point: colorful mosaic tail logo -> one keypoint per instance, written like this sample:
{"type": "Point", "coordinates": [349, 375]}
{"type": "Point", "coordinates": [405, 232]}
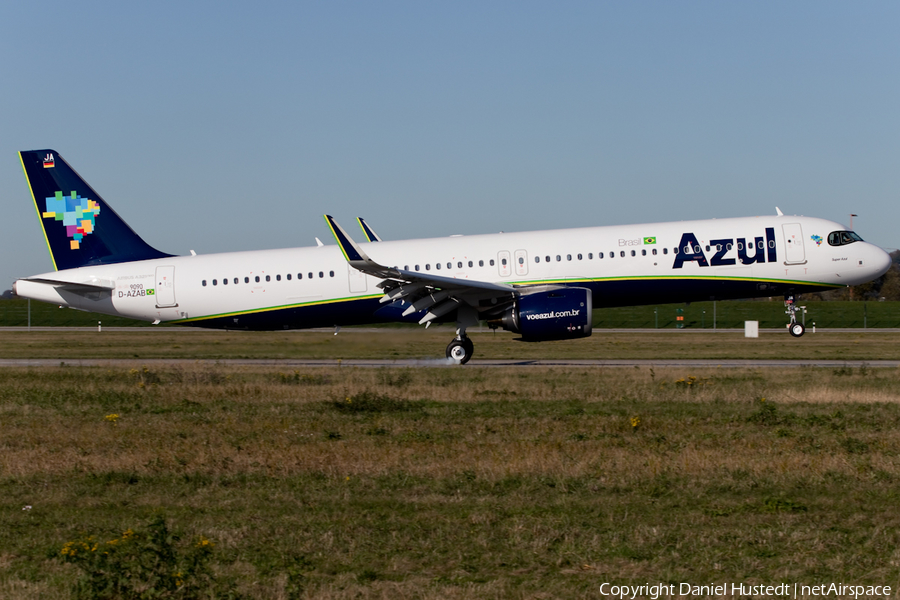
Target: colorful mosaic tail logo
{"type": "Point", "coordinates": [76, 213]}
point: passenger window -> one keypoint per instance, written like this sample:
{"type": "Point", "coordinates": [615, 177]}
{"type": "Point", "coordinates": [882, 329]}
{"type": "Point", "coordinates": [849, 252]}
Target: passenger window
{"type": "Point", "coordinates": [558, 258]}
{"type": "Point", "coordinates": [728, 246]}
{"type": "Point", "coordinates": [590, 256]}
{"type": "Point", "coordinates": [215, 282]}
{"type": "Point", "coordinates": [236, 280]}
{"type": "Point", "coordinates": [321, 274]}
{"type": "Point", "coordinates": [480, 263]}
{"type": "Point", "coordinates": [299, 275]}
{"type": "Point", "coordinates": [760, 245]}
{"type": "Point", "coordinates": [246, 280]}
{"type": "Point", "coordinates": [310, 275]}
{"type": "Point", "coordinates": [470, 264]}
{"type": "Point", "coordinates": [257, 279]}
{"type": "Point", "coordinates": [568, 257]}
{"type": "Point", "coordinates": [427, 266]}
{"type": "Point", "coordinates": [599, 255]}
{"type": "Point", "coordinates": [503, 261]}
{"type": "Point", "coordinates": [203, 283]}
{"type": "Point", "coordinates": [622, 254]}
{"type": "Point", "coordinates": [331, 273]}
{"type": "Point", "coordinates": [547, 259]}
{"type": "Point", "coordinates": [643, 253]}
{"type": "Point", "coordinates": [654, 251]}
{"type": "Point", "coordinates": [438, 266]}
{"type": "Point", "coordinates": [288, 276]}
{"type": "Point", "coordinates": [665, 250]}
{"type": "Point", "coordinates": [225, 281]}
{"type": "Point", "coordinates": [449, 265]}
{"type": "Point", "coordinates": [771, 243]}
{"type": "Point", "coordinates": [268, 278]}
{"type": "Point", "coordinates": [633, 253]}
{"type": "Point", "coordinates": [459, 265]}
{"type": "Point", "coordinates": [537, 259]}
{"type": "Point", "coordinates": [521, 260]}
{"type": "Point", "coordinates": [579, 257]}
{"type": "Point", "coordinates": [740, 245]}
{"type": "Point", "coordinates": [278, 277]}
{"type": "Point", "coordinates": [612, 254]}
{"type": "Point", "coordinates": [492, 262]}
{"type": "Point", "coordinates": [417, 267]}
{"type": "Point", "coordinates": [707, 247]}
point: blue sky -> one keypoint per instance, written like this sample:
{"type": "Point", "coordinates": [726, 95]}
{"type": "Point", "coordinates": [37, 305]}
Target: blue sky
{"type": "Point", "coordinates": [220, 126]}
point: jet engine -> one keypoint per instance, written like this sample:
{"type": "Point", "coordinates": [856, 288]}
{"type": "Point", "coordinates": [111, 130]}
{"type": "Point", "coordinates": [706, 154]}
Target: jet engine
{"type": "Point", "coordinates": [556, 314]}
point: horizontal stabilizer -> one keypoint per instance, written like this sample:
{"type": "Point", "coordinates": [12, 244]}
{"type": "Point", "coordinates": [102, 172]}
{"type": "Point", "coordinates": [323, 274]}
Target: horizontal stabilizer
{"type": "Point", "coordinates": [92, 284]}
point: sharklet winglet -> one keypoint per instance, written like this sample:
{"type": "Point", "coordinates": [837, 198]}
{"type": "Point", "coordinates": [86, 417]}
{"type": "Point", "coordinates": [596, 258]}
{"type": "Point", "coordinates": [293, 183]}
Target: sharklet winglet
{"type": "Point", "coordinates": [370, 234]}
{"type": "Point", "coordinates": [351, 251]}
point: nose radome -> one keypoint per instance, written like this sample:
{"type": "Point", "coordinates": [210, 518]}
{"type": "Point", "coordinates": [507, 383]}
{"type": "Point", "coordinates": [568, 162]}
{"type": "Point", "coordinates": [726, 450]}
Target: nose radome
{"type": "Point", "coordinates": [880, 261]}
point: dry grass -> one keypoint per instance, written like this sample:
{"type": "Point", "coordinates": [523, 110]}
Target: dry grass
{"type": "Point", "coordinates": [428, 483]}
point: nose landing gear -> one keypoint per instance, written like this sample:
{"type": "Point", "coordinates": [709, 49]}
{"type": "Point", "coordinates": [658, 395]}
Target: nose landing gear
{"type": "Point", "coordinates": [796, 329]}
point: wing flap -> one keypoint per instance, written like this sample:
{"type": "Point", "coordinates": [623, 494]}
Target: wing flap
{"type": "Point", "coordinates": [422, 290]}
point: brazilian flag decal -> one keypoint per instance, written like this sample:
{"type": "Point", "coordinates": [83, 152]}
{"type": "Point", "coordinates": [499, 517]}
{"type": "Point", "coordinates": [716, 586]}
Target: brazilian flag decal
{"type": "Point", "coordinates": [151, 292]}
{"type": "Point", "coordinates": [649, 240]}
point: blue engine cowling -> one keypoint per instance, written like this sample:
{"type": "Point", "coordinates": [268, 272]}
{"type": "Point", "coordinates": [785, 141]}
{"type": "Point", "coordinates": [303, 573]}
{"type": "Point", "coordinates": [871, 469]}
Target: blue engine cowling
{"type": "Point", "coordinates": [555, 314]}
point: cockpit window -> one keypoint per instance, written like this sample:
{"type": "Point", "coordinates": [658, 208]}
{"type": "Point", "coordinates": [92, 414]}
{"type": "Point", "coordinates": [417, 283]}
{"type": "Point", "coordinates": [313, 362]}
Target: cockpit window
{"type": "Point", "coordinates": [842, 238]}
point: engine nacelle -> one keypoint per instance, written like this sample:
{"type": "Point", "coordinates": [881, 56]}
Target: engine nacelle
{"type": "Point", "coordinates": [555, 314]}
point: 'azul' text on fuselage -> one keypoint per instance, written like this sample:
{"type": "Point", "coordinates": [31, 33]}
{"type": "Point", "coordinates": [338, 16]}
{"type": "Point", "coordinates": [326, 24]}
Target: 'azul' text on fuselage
{"type": "Point", "coordinates": [763, 250]}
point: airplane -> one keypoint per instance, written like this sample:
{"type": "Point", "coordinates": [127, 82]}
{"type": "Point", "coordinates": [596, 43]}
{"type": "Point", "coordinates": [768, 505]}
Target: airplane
{"type": "Point", "coordinates": [543, 285]}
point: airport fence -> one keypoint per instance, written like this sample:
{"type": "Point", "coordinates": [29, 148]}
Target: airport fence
{"type": "Point", "coordinates": [729, 314]}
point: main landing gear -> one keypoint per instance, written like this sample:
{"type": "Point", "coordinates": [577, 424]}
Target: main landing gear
{"type": "Point", "coordinates": [796, 329]}
{"type": "Point", "coordinates": [460, 350]}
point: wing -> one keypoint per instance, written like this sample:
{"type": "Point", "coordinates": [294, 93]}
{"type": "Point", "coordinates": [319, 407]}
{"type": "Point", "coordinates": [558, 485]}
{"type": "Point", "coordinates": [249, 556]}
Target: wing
{"type": "Point", "coordinates": [424, 291]}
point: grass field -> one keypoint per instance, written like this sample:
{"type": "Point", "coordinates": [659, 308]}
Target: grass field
{"type": "Point", "coordinates": [698, 315]}
{"type": "Point", "coordinates": [452, 483]}
{"type": "Point", "coordinates": [170, 342]}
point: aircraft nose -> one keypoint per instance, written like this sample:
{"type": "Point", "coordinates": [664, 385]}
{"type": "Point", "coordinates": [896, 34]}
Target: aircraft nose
{"type": "Point", "coordinates": [881, 261]}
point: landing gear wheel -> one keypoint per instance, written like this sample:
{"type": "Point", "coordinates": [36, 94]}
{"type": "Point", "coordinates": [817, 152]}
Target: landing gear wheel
{"type": "Point", "coordinates": [790, 306]}
{"type": "Point", "coordinates": [460, 351]}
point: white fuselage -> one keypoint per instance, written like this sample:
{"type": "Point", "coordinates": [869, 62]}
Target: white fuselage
{"type": "Point", "coordinates": [623, 264]}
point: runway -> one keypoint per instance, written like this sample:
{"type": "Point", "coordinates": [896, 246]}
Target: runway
{"type": "Point", "coordinates": [444, 363]}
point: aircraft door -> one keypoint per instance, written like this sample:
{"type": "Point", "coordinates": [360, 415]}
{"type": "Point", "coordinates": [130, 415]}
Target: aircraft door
{"type": "Point", "coordinates": [521, 262]}
{"type": "Point", "coordinates": [794, 253]}
{"type": "Point", "coordinates": [357, 280]}
{"type": "Point", "coordinates": [165, 287]}
{"type": "Point", "coordinates": [503, 263]}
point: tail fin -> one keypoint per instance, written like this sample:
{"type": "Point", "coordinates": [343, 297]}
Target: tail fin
{"type": "Point", "coordinates": [80, 228]}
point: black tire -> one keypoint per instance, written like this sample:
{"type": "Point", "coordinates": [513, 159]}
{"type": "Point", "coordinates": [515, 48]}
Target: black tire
{"type": "Point", "coordinates": [460, 351]}
{"type": "Point", "coordinates": [797, 329]}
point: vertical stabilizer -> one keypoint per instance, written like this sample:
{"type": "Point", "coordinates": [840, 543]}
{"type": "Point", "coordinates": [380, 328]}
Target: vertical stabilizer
{"type": "Point", "coordinates": [80, 228]}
